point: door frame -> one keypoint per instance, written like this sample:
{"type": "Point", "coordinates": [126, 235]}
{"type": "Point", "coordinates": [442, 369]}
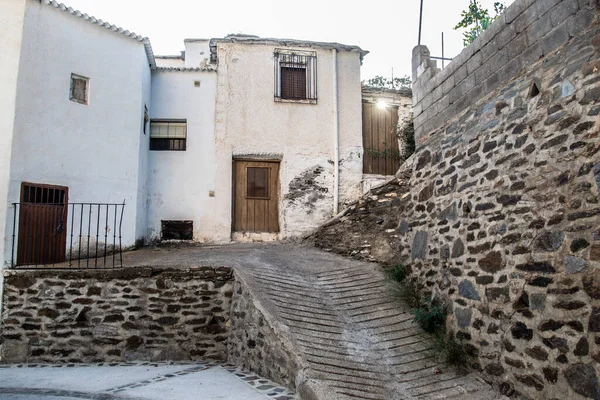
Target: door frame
{"type": "Point", "coordinates": [254, 158]}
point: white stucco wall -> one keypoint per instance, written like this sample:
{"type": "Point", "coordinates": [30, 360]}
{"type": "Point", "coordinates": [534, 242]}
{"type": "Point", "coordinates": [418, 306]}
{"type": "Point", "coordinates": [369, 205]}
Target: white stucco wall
{"type": "Point", "coordinates": [92, 149]}
{"type": "Point", "coordinates": [11, 32]}
{"type": "Point", "coordinates": [180, 182]}
{"type": "Point", "coordinates": [250, 122]}
{"type": "Point", "coordinates": [142, 193]}
{"type": "Point", "coordinates": [197, 52]}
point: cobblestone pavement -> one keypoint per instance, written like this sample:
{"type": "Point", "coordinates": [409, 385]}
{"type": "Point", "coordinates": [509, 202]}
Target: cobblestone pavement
{"type": "Point", "coordinates": [136, 381]}
{"type": "Point", "coordinates": [353, 335]}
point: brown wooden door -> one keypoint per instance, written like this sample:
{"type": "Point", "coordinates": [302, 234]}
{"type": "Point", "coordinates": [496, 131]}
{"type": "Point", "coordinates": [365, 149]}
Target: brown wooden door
{"type": "Point", "coordinates": [380, 140]}
{"type": "Point", "coordinates": [42, 224]}
{"type": "Point", "coordinates": [256, 196]}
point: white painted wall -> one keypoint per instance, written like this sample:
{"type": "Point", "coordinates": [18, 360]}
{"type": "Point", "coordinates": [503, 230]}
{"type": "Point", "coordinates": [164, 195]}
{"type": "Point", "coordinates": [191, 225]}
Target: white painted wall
{"type": "Point", "coordinates": [11, 32]}
{"type": "Point", "coordinates": [93, 149]}
{"type": "Point", "coordinates": [180, 181]}
{"type": "Point", "coordinates": [197, 52]}
{"type": "Point", "coordinates": [249, 121]}
{"type": "Point", "coordinates": [142, 193]}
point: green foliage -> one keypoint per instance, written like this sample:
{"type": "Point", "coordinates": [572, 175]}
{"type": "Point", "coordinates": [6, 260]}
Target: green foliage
{"type": "Point", "coordinates": [410, 292]}
{"type": "Point", "coordinates": [407, 130]}
{"type": "Point", "coordinates": [432, 318]}
{"type": "Point", "coordinates": [477, 19]}
{"type": "Point", "coordinates": [385, 83]}
{"type": "Point", "coordinates": [399, 273]}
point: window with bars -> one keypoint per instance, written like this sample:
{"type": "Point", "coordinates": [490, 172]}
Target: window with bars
{"type": "Point", "coordinates": [169, 135]}
{"type": "Point", "coordinates": [43, 194]}
{"type": "Point", "coordinates": [295, 76]}
{"type": "Point", "coordinates": [79, 90]}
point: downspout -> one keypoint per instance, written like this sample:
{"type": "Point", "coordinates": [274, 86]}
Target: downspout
{"type": "Point", "coordinates": [336, 137]}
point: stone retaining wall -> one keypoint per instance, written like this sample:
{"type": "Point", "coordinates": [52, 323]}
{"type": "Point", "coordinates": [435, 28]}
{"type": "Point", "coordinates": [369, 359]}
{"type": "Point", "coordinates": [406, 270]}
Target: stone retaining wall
{"type": "Point", "coordinates": [500, 218]}
{"type": "Point", "coordinates": [115, 315]}
{"type": "Point", "coordinates": [254, 344]}
{"type": "Point", "coordinates": [527, 31]}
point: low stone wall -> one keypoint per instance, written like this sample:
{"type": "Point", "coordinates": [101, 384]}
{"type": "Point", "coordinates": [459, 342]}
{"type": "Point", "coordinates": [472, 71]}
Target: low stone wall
{"type": "Point", "coordinates": [253, 342]}
{"type": "Point", "coordinates": [115, 315]}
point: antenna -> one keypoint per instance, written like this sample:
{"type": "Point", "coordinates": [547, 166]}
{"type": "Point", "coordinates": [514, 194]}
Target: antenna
{"type": "Point", "coordinates": [420, 22]}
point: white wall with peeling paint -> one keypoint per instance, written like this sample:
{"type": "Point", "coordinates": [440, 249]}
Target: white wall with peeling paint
{"type": "Point", "coordinates": [180, 182]}
{"type": "Point", "coordinates": [92, 149]}
{"type": "Point", "coordinates": [250, 122]}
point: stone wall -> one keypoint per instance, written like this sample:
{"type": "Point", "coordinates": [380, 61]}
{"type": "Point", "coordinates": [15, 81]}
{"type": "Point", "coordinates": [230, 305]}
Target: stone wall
{"type": "Point", "coordinates": [253, 342]}
{"type": "Point", "coordinates": [498, 214]}
{"type": "Point", "coordinates": [526, 32]}
{"type": "Point", "coordinates": [115, 315]}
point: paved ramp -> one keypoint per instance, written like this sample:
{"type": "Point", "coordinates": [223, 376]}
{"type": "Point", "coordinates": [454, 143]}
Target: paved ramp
{"type": "Point", "coordinates": [353, 338]}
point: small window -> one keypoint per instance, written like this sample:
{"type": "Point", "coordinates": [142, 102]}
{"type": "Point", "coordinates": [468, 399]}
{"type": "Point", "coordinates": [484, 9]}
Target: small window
{"type": "Point", "coordinates": [168, 135]}
{"type": "Point", "coordinates": [258, 183]}
{"type": "Point", "coordinates": [80, 87]}
{"type": "Point", "coordinates": [295, 76]}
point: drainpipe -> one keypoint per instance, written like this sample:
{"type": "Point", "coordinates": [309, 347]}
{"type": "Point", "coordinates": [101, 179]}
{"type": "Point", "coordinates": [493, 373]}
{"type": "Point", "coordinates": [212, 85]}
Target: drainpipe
{"type": "Point", "coordinates": [336, 136]}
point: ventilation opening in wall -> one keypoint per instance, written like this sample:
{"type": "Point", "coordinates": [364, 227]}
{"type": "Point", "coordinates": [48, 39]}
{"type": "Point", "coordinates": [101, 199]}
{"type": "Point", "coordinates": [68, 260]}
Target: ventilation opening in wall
{"type": "Point", "coordinates": [535, 90]}
{"type": "Point", "coordinates": [177, 230]}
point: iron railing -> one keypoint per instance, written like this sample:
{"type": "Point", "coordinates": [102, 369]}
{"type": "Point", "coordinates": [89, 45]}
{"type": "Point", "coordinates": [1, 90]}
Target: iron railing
{"type": "Point", "coordinates": [70, 235]}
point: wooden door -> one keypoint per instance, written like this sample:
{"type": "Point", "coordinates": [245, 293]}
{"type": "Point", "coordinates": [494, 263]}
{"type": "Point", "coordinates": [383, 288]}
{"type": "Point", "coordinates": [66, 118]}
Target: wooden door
{"type": "Point", "coordinates": [42, 224]}
{"type": "Point", "coordinates": [380, 140]}
{"type": "Point", "coordinates": [256, 196]}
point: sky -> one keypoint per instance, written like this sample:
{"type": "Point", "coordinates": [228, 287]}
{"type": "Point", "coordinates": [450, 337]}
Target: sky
{"type": "Point", "coordinates": [386, 28]}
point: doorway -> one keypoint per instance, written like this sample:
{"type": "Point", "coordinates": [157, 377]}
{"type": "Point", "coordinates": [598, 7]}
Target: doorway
{"type": "Point", "coordinates": [256, 196]}
{"type": "Point", "coordinates": [42, 224]}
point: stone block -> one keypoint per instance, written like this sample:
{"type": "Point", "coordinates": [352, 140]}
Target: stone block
{"type": "Point", "coordinates": [506, 36]}
{"type": "Point", "coordinates": [583, 380]}
{"type": "Point", "coordinates": [467, 290]}
{"type": "Point", "coordinates": [563, 11]}
{"type": "Point", "coordinates": [474, 62]}
{"type": "Point", "coordinates": [556, 38]}
{"type": "Point", "coordinates": [538, 29]}
{"type": "Point", "coordinates": [448, 84]}
{"type": "Point", "coordinates": [463, 317]}
{"type": "Point", "coordinates": [524, 20]}
{"type": "Point", "coordinates": [544, 6]}
{"type": "Point", "coordinates": [419, 247]}
{"type": "Point", "coordinates": [518, 45]}
{"type": "Point", "coordinates": [514, 10]}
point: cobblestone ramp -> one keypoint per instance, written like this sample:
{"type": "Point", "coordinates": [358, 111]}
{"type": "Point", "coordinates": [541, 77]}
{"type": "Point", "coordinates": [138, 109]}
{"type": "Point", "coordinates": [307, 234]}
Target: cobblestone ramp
{"type": "Point", "coordinates": [354, 338]}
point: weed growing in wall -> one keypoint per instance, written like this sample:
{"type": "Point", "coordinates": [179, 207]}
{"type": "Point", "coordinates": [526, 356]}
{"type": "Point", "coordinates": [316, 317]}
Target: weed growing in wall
{"type": "Point", "coordinates": [430, 315]}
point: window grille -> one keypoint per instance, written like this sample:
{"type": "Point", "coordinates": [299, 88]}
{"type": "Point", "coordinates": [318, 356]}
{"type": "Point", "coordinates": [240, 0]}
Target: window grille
{"type": "Point", "coordinates": [295, 76]}
{"type": "Point", "coordinates": [79, 91]}
{"type": "Point", "coordinates": [168, 135]}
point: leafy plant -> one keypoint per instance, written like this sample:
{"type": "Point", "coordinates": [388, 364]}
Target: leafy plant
{"type": "Point", "coordinates": [385, 83]}
{"type": "Point", "coordinates": [432, 318]}
{"type": "Point", "coordinates": [407, 130]}
{"type": "Point", "coordinates": [477, 19]}
{"type": "Point", "coordinates": [399, 273]}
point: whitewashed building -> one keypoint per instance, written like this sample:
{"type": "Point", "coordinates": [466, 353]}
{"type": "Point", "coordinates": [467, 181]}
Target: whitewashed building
{"type": "Point", "coordinates": [236, 138]}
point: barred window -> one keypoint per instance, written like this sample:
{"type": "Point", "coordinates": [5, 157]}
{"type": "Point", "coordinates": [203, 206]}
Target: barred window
{"type": "Point", "coordinates": [168, 135]}
{"type": "Point", "coordinates": [295, 76]}
{"type": "Point", "coordinates": [79, 90]}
